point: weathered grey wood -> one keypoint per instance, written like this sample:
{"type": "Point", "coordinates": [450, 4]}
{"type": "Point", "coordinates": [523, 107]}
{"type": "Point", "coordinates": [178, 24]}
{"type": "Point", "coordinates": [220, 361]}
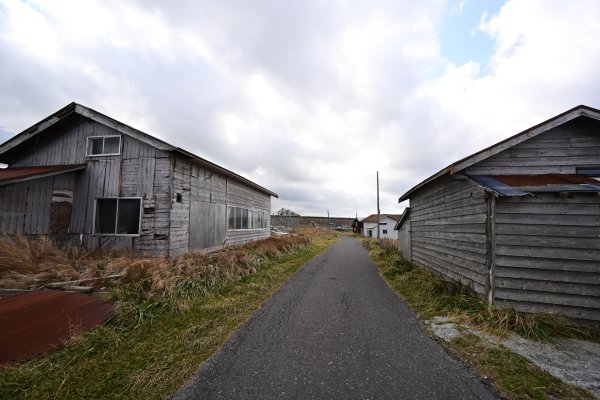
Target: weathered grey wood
{"type": "Point", "coordinates": [167, 179]}
{"type": "Point", "coordinates": [588, 315]}
{"type": "Point", "coordinates": [448, 225]}
{"type": "Point", "coordinates": [530, 136]}
{"type": "Point", "coordinates": [546, 154]}
{"type": "Point", "coordinates": [582, 289]}
{"type": "Point", "coordinates": [548, 299]}
{"type": "Point", "coordinates": [551, 264]}
{"type": "Point", "coordinates": [544, 274]}
{"type": "Point", "coordinates": [490, 241]}
{"type": "Point", "coordinates": [404, 237]}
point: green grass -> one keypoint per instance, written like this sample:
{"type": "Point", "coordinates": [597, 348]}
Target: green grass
{"type": "Point", "coordinates": [511, 375]}
{"type": "Point", "coordinates": [152, 354]}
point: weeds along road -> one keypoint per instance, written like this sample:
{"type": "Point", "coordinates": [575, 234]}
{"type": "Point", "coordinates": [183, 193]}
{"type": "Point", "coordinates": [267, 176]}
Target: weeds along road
{"type": "Point", "coordinates": [334, 331]}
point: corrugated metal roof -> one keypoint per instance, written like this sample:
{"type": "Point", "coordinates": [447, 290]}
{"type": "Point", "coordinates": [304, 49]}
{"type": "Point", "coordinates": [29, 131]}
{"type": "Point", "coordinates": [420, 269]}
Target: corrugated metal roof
{"type": "Point", "coordinates": [11, 175]}
{"type": "Point", "coordinates": [519, 185]}
{"type": "Point", "coordinates": [40, 321]}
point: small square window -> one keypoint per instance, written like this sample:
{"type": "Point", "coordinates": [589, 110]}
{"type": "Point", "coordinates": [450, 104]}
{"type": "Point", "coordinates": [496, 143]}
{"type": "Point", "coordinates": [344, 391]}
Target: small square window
{"type": "Point", "coordinates": [103, 145]}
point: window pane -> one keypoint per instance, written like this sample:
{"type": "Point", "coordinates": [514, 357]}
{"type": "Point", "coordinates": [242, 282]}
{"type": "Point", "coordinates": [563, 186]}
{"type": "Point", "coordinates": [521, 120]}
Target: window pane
{"type": "Point", "coordinates": [251, 224]}
{"type": "Point", "coordinates": [231, 223]}
{"type": "Point", "coordinates": [238, 218]}
{"type": "Point", "coordinates": [95, 146]}
{"type": "Point", "coordinates": [111, 145]}
{"type": "Point", "coordinates": [106, 211]}
{"type": "Point", "coordinates": [244, 218]}
{"type": "Point", "coordinates": [128, 221]}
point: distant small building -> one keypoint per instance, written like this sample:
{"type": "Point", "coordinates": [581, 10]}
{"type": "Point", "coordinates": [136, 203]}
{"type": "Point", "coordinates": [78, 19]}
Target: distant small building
{"type": "Point", "coordinates": [357, 226]}
{"type": "Point", "coordinates": [386, 226]}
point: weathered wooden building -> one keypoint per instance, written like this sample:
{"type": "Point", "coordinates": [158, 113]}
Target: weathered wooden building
{"type": "Point", "coordinates": [85, 177]}
{"type": "Point", "coordinates": [519, 222]}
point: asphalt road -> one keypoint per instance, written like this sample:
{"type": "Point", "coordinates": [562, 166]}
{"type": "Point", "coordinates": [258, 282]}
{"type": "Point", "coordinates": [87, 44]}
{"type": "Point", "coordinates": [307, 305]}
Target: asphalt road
{"type": "Point", "coordinates": [334, 331]}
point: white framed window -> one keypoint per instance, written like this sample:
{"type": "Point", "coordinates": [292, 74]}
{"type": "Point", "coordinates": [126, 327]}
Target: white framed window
{"type": "Point", "coordinates": [103, 145]}
{"type": "Point", "coordinates": [242, 218]}
{"type": "Point", "coordinates": [118, 216]}
{"type": "Point", "coordinates": [385, 231]}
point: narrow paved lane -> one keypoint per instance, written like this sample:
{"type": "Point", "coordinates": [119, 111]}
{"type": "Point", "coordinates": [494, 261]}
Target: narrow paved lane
{"type": "Point", "coordinates": [334, 331]}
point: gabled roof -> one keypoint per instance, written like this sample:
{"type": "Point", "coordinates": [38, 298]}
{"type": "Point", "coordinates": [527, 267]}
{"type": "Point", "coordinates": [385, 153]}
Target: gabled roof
{"type": "Point", "coordinates": [20, 174]}
{"type": "Point", "coordinates": [403, 218]}
{"type": "Point", "coordinates": [373, 217]}
{"type": "Point", "coordinates": [575, 112]}
{"type": "Point", "coordinates": [74, 111]}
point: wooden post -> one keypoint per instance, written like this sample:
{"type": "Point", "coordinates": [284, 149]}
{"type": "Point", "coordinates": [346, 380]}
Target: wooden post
{"type": "Point", "coordinates": [490, 233]}
{"type": "Point", "coordinates": [378, 211]}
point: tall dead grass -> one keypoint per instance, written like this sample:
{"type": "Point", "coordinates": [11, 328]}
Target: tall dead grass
{"type": "Point", "coordinates": [29, 262]}
{"type": "Point", "coordinates": [26, 261]}
{"type": "Point", "coordinates": [152, 284]}
{"type": "Point", "coordinates": [148, 284]}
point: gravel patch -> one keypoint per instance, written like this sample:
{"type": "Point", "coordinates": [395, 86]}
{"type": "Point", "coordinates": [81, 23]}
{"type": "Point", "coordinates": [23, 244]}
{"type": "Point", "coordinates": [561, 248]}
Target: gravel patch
{"type": "Point", "coordinates": [574, 361]}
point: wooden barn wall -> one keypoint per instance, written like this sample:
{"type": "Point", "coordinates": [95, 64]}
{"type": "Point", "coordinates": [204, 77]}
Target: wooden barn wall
{"type": "Point", "coordinates": [404, 239]}
{"type": "Point", "coordinates": [448, 230]}
{"type": "Point", "coordinates": [208, 212]}
{"type": "Point", "coordinates": [558, 151]}
{"type": "Point", "coordinates": [548, 254]}
{"type": "Point", "coordinates": [139, 171]}
{"type": "Point", "coordinates": [27, 207]}
{"type": "Point", "coordinates": [240, 195]}
{"type": "Point", "coordinates": [146, 173]}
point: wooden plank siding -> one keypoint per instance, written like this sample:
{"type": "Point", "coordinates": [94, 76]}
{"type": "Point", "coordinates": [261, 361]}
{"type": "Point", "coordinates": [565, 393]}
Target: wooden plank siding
{"type": "Point", "coordinates": [559, 151]}
{"type": "Point", "coordinates": [208, 213]}
{"type": "Point", "coordinates": [546, 258]}
{"type": "Point", "coordinates": [404, 239]}
{"type": "Point", "coordinates": [25, 207]}
{"type": "Point", "coordinates": [448, 231]}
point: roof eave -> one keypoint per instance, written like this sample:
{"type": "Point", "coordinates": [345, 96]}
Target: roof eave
{"type": "Point", "coordinates": [37, 128]}
{"type": "Point", "coordinates": [406, 195]}
{"type": "Point", "coordinates": [73, 168]}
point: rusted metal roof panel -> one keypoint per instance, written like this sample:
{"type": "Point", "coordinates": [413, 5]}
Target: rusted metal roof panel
{"type": "Point", "coordinates": [41, 321]}
{"type": "Point", "coordinates": [11, 175]}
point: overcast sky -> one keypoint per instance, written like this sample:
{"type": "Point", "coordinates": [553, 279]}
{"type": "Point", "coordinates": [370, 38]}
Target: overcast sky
{"type": "Point", "coordinates": [307, 98]}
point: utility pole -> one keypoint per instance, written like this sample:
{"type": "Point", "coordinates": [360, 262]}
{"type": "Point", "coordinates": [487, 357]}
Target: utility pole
{"type": "Point", "coordinates": [328, 226]}
{"type": "Point", "coordinates": [378, 211]}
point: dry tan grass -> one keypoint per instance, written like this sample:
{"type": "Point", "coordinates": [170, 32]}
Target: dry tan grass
{"type": "Point", "coordinates": [25, 262]}
{"type": "Point", "coordinates": [31, 262]}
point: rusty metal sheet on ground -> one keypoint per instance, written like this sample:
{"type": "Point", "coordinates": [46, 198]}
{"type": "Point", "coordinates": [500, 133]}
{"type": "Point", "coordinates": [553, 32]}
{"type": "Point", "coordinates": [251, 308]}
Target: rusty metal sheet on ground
{"type": "Point", "coordinates": [41, 321]}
